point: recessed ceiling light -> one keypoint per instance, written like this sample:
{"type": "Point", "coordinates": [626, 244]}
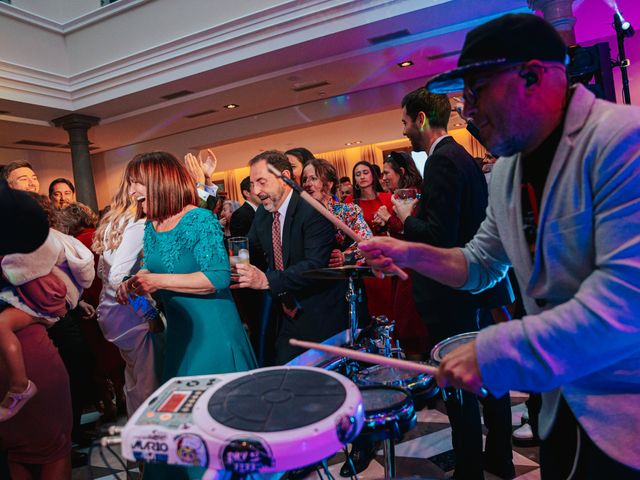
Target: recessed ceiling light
{"type": "Point", "coordinates": [231, 106]}
{"type": "Point", "coordinates": [405, 64]}
{"type": "Point", "coordinates": [357, 142]}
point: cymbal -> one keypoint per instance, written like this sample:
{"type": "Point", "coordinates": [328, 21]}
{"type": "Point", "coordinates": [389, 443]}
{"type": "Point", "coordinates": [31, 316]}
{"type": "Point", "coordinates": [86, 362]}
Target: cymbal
{"type": "Point", "coordinates": [339, 273]}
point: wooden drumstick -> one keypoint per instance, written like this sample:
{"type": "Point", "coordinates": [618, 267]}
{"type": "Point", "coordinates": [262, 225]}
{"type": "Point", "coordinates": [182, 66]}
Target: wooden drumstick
{"type": "Point", "coordinates": [322, 210]}
{"type": "Point", "coordinates": [367, 357]}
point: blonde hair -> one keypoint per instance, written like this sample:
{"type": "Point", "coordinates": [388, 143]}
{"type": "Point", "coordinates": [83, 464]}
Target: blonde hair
{"type": "Point", "coordinates": [111, 227]}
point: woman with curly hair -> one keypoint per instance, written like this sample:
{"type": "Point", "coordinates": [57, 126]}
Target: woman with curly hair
{"type": "Point", "coordinates": [118, 241]}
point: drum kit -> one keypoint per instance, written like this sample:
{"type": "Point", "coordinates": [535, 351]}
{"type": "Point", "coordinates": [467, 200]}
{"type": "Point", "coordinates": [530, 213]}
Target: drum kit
{"type": "Point", "coordinates": [272, 420]}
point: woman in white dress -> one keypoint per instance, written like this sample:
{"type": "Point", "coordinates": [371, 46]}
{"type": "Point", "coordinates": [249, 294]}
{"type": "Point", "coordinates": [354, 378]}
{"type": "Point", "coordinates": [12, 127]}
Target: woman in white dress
{"type": "Point", "coordinates": [118, 240]}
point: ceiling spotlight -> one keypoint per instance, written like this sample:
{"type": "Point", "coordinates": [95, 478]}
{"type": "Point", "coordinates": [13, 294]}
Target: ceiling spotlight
{"type": "Point", "coordinates": [231, 106]}
{"type": "Point", "coordinates": [405, 64]}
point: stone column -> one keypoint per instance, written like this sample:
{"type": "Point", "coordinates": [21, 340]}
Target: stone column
{"type": "Point", "coordinates": [77, 127]}
{"type": "Point", "coordinates": [559, 14]}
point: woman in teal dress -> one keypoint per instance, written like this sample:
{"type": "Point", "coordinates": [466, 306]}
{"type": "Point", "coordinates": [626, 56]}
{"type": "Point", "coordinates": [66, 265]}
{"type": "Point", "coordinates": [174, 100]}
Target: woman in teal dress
{"type": "Point", "coordinates": [187, 269]}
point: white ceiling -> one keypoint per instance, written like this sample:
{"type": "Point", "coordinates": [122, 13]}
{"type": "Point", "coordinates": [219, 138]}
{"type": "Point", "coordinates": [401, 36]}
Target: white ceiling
{"type": "Point", "coordinates": [363, 87]}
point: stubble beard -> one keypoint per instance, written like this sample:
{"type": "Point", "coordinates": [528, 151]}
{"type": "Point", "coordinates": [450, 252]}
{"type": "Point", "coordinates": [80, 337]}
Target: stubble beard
{"type": "Point", "coordinates": [274, 200]}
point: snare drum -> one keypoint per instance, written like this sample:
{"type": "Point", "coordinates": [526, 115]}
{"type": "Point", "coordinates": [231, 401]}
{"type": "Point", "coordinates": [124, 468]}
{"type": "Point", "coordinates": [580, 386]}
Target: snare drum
{"type": "Point", "coordinates": [421, 386]}
{"type": "Point", "coordinates": [388, 412]}
{"type": "Point", "coordinates": [449, 344]}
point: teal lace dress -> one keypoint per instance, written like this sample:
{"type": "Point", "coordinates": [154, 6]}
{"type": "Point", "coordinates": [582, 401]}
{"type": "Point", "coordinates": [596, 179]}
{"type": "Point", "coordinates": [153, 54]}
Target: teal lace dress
{"type": "Point", "coordinates": [204, 334]}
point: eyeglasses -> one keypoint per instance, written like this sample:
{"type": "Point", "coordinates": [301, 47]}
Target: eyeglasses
{"type": "Point", "coordinates": [471, 89]}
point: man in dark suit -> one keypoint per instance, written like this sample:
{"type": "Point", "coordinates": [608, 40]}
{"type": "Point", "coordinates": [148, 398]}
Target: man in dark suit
{"type": "Point", "coordinates": [242, 218]}
{"type": "Point", "coordinates": [294, 238]}
{"type": "Point", "coordinates": [450, 210]}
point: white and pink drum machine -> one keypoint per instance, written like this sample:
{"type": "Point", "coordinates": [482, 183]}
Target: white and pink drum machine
{"type": "Point", "coordinates": [266, 420]}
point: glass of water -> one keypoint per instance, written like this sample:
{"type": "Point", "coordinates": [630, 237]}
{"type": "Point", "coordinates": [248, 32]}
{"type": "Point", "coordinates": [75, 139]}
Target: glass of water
{"type": "Point", "coordinates": [238, 251]}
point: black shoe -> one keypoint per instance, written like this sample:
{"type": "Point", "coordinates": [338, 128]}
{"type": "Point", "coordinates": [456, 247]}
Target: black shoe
{"type": "Point", "coordinates": [359, 459]}
{"type": "Point", "coordinates": [524, 437]}
{"type": "Point", "coordinates": [504, 470]}
{"type": "Point", "coordinates": [78, 459]}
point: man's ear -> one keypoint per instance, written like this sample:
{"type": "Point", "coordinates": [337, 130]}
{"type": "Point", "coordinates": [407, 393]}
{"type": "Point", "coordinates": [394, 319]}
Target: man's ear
{"type": "Point", "coordinates": [286, 173]}
{"type": "Point", "coordinates": [422, 121]}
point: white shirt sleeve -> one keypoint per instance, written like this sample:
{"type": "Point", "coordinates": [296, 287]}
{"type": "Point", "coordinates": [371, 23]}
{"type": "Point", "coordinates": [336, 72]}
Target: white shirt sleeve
{"type": "Point", "coordinates": [126, 255]}
{"type": "Point", "coordinates": [206, 191]}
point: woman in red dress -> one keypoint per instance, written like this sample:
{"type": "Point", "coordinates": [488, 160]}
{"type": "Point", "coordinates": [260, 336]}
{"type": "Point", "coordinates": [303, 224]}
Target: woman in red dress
{"type": "Point", "coordinates": [368, 194]}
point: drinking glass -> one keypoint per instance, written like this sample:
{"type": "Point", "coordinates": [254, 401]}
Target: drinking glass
{"type": "Point", "coordinates": [238, 250]}
{"type": "Point", "coordinates": [407, 195]}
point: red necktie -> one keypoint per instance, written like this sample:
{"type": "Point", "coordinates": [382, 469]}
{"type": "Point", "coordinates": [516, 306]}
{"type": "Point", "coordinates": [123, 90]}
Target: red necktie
{"type": "Point", "coordinates": [277, 242]}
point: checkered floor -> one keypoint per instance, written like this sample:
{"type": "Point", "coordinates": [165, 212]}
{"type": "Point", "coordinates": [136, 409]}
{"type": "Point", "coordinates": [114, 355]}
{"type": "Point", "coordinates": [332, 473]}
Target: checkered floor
{"type": "Point", "coordinates": [425, 451]}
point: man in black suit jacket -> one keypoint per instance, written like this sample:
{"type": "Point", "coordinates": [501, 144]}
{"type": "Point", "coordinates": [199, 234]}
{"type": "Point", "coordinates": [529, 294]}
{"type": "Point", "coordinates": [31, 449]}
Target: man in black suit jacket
{"type": "Point", "coordinates": [452, 206]}
{"type": "Point", "coordinates": [242, 218]}
{"type": "Point", "coordinates": [307, 309]}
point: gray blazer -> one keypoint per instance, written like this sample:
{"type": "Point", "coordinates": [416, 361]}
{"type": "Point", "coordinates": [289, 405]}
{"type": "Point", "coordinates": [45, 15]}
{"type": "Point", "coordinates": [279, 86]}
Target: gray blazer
{"type": "Point", "coordinates": [581, 337]}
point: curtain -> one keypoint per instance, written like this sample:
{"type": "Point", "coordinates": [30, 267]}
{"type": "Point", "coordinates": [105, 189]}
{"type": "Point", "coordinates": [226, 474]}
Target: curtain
{"type": "Point", "coordinates": [371, 154]}
{"type": "Point", "coordinates": [339, 160]}
{"type": "Point", "coordinates": [477, 150]}
{"type": "Point", "coordinates": [345, 159]}
{"type": "Point", "coordinates": [232, 186]}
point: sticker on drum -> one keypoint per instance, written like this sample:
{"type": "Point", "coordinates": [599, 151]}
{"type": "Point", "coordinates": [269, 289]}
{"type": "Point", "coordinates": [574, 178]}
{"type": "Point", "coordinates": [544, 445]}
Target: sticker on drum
{"type": "Point", "coordinates": [449, 344]}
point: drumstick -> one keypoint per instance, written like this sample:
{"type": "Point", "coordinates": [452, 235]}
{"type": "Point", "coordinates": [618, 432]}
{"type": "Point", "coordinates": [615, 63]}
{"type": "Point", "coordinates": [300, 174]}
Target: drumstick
{"type": "Point", "coordinates": [367, 357]}
{"type": "Point", "coordinates": [322, 210]}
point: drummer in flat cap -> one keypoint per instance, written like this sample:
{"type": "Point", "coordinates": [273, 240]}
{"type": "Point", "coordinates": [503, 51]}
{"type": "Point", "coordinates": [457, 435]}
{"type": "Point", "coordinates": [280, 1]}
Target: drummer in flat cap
{"type": "Point", "coordinates": [564, 211]}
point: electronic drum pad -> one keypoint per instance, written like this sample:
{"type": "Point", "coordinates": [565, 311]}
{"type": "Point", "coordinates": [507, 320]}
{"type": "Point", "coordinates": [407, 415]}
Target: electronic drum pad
{"type": "Point", "coordinates": [266, 420]}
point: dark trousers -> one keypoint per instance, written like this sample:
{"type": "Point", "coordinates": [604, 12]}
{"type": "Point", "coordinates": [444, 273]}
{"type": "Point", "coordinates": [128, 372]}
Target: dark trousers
{"type": "Point", "coordinates": [463, 409]}
{"type": "Point", "coordinates": [79, 360]}
{"type": "Point", "coordinates": [568, 453]}
{"type": "Point", "coordinates": [534, 405]}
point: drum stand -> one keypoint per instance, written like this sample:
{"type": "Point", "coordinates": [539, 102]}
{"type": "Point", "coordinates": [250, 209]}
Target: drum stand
{"type": "Point", "coordinates": [352, 299]}
{"type": "Point", "coordinates": [389, 456]}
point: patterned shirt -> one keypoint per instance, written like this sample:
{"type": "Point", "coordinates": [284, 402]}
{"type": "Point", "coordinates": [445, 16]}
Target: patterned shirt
{"type": "Point", "coordinates": [351, 214]}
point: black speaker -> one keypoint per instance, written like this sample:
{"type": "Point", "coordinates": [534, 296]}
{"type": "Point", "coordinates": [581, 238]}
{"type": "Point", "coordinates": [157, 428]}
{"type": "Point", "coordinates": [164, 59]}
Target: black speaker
{"type": "Point", "coordinates": [592, 67]}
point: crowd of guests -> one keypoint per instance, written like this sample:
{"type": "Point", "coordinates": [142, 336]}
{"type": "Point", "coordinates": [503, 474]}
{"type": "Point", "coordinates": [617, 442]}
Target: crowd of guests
{"type": "Point", "coordinates": [159, 300]}
{"type": "Point", "coordinates": [150, 293]}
